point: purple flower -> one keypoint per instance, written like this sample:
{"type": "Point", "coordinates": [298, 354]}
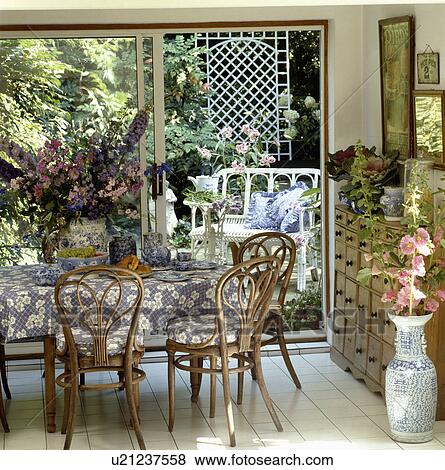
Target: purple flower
{"type": "Point", "coordinates": [136, 130]}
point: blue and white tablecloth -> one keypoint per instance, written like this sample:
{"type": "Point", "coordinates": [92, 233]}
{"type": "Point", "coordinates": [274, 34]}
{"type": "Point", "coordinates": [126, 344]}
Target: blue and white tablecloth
{"type": "Point", "coordinates": [28, 310]}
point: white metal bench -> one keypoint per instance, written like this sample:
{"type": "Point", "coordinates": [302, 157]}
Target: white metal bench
{"type": "Point", "coordinates": [233, 228]}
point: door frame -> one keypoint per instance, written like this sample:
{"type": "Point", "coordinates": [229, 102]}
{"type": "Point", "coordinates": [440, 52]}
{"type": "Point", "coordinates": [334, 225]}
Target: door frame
{"type": "Point", "coordinates": [156, 31]}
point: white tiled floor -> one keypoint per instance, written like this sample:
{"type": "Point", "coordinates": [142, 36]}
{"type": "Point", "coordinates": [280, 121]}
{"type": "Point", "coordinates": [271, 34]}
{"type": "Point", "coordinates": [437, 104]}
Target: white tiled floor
{"type": "Point", "coordinates": [331, 410]}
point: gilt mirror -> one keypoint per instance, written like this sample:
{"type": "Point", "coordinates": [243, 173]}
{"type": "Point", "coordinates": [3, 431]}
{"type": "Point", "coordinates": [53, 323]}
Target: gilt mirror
{"type": "Point", "coordinates": [428, 125]}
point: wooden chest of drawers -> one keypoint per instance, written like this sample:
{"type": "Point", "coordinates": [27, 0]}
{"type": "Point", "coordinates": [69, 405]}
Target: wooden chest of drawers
{"type": "Point", "coordinates": [362, 334]}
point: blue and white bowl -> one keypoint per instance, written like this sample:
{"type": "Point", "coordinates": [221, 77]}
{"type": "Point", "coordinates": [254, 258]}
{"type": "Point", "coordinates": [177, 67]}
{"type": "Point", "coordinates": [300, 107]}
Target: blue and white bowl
{"type": "Point", "coordinates": [69, 264]}
{"type": "Point", "coordinates": [47, 275]}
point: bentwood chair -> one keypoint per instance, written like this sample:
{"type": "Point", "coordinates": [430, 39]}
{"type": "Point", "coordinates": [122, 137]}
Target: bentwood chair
{"type": "Point", "coordinates": [242, 300]}
{"type": "Point", "coordinates": [99, 309]}
{"type": "Point", "coordinates": [3, 380]}
{"type": "Point", "coordinates": [283, 247]}
{"type": "Point", "coordinates": [4, 377]}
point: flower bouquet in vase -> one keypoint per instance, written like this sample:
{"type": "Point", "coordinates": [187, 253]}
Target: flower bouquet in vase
{"type": "Point", "coordinates": [414, 270]}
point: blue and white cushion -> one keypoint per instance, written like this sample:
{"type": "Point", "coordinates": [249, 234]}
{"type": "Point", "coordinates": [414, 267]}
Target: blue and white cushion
{"type": "Point", "coordinates": [278, 208]}
{"type": "Point", "coordinates": [116, 341]}
{"type": "Point", "coordinates": [257, 216]}
{"type": "Point", "coordinates": [198, 329]}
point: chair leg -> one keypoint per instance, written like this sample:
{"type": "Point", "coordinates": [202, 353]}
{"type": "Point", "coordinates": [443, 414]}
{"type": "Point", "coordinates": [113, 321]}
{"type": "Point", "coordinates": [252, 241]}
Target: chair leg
{"type": "Point", "coordinates": [239, 398]}
{"type": "Point", "coordinates": [252, 371]}
{"type": "Point", "coordinates": [263, 388]}
{"type": "Point", "coordinates": [3, 414]}
{"type": "Point", "coordinates": [129, 389]}
{"type": "Point", "coordinates": [212, 388]}
{"type": "Point", "coordinates": [171, 390]}
{"type": "Point", "coordinates": [72, 411]}
{"type": "Point", "coordinates": [196, 378]}
{"type": "Point", "coordinates": [4, 377]}
{"type": "Point", "coordinates": [66, 403]}
{"type": "Point", "coordinates": [284, 352]}
{"type": "Point", "coordinates": [228, 400]}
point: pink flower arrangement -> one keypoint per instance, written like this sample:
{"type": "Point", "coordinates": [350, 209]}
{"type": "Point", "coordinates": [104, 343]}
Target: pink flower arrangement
{"type": "Point", "coordinates": [414, 272]}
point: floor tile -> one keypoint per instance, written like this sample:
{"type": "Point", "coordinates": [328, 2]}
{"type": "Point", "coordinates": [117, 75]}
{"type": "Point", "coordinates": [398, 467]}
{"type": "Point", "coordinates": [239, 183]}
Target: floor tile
{"type": "Point", "coordinates": [57, 441]}
{"type": "Point", "coordinates": [111, 441]}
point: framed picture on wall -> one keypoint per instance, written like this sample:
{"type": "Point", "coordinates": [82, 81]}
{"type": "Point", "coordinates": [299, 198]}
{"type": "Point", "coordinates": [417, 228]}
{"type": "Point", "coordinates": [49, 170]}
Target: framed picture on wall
{"type": "Point", "coordinates": [396, 39]}
{"type": "Point", "coordinates": [428, 68]}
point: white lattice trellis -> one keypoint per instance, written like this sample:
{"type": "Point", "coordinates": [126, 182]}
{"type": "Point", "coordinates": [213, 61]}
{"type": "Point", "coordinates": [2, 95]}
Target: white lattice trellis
{"type": "Point", "coordinates": [249, 75]}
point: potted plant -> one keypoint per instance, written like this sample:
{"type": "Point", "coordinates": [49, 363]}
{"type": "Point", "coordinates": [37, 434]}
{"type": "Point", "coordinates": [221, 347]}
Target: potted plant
{"type": "Point", "coordinates": [414, 267]}
{"type": "Point", "coordinates": [304, 312]}
{"type": "Point", "coordinates": [365, 173]}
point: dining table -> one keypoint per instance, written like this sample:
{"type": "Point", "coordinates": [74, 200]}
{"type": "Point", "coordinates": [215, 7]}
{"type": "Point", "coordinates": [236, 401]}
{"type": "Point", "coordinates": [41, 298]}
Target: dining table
{"type": "Point", "coordinates": [28, 310]}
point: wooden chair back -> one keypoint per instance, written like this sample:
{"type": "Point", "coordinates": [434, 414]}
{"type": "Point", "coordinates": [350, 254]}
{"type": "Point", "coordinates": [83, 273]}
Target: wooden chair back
{"type": "Point", "coordinates": [245, 292]}
{"type": "Point", "coordinates": [275, 244]}
{"type": "Point", "coordinates": [98, 300]}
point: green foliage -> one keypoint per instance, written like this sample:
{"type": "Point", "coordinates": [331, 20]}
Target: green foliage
{"type": "Point", "coordinates": [305, 310]}
{"type": "Point", "coordinates": [181, 234]}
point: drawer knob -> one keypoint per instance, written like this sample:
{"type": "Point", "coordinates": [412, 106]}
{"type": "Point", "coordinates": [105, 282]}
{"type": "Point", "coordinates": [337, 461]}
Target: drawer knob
{"type": "Point", "coordinates": [371, 359]}
{"type": "Point", "coordinates": [384, 367]}
{"type": "Point", "coordinates": [349, 238]}
{"type": "Point", "coordinates": [349, 262]}
{"type": "Point", "coordinates": [339, 292]}
{"type": "Point", "coordinates": [387, 322]}
{"type": "Point", "coordinates": [337, 331]}
{"type": "Point", "coordinates": [348, 300]}
{"type": "Point", "coordinates": [338, 217]}
{"type": "Point", "coordinates": [350, 222]}
{"type": "Point", "coordinates": [373, 314]}
{"type": "Point", "coordinates": [361, 306]}
{"type": "Point", "coordinates": [362, 244]}
{"type": "Point", "coordinates": [362, 226]}
{"type": "Point", "coordinates": [337, 256]}
{"type": "Point", "coordinates": [338, 233]}
{"type": "Point", "coordinates": [385, 281]}
{"type": "Point", "coordinates": [358, 350]}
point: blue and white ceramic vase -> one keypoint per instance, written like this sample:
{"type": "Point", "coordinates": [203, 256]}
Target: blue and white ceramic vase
{"type": "Point", "coordinates": [392, 203]}
{"type": "Point", "coordinates": [154, 253]}
{"type": "Point", "coordinates": [84, 232]}
{"type": "Point", "coordinates": [120, 247]}
{"type": "Point", "coordinates": [411, 383]}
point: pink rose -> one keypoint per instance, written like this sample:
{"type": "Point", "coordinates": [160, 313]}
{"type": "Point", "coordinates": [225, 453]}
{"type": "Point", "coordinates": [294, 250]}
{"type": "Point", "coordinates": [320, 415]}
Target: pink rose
{"type": "Point", "coordinates": [226, 132]}
{"type": "Point", "coordinates": [418, 265]}
{"type": "Point", "coordinates": [238, 167]}
{"type": "Point", "coordinates": [407, 245]}
{"type": "Point", "coordinates": [431, 305]}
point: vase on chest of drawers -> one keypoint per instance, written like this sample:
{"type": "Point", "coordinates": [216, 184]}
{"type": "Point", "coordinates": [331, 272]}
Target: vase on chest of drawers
{"type": "Point", "coordinates": [411, 383]}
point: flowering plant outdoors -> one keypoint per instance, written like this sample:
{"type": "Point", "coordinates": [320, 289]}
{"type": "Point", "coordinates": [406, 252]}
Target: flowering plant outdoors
{"type": "Point", "coordinates": [236, 154]}
{"type": "Point", "coordinates": [414, 266]}
{"type": "Point", "coordinates": [57, 184]}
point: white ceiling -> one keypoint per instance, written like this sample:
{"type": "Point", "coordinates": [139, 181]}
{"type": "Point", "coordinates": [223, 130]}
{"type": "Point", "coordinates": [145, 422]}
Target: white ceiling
{"type": "Point", "coordinates": [182, 4]}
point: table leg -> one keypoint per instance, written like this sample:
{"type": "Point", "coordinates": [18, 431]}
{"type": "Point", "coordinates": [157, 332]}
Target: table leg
{"type": "Point", "coordinates": [49, 351]}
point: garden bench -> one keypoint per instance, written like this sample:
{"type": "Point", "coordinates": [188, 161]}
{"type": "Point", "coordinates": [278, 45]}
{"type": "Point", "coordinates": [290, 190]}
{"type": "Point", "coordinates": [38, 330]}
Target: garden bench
{"type": "Point", "coordinates": [233, 229]}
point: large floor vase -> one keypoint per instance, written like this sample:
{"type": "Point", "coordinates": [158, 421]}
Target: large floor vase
{"type": "Point", "coordinates": [411, 383]}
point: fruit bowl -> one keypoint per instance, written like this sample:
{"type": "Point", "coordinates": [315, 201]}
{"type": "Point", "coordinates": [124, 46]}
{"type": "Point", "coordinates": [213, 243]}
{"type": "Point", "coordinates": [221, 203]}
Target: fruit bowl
{"type": "Point", "coordinates": [70, 263]}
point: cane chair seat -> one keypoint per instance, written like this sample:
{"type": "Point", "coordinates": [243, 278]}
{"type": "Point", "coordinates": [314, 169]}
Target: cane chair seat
{"type": "Point", "coordinates": [116, 342]}
{"type": "Point", "coordinates": [199, 329]}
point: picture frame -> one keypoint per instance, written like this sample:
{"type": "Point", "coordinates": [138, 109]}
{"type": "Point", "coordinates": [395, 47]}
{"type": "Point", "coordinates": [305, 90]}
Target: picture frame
{"type": "Point", "coordinates": [396, 41]}
{"type": "Point", "coordinates": [429, 125]}
{"type": "Point", "coordinates": [428, 72]}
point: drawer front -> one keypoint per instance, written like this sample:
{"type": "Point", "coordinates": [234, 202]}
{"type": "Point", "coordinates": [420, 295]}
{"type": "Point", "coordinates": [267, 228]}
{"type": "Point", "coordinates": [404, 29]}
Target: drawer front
{"type": "Point", "coordinates": [352, 262]}
{"type": "Point", "coordinates": [361, 350]}
{"type": "Point", "coordinates": [351, 238]}
{"type": "Point", "coordinates": [351, 221]}
{"type": "Point", "coordinates": [349, 345]}
{"type": "Point", "coordinates": [340, 257]}
{"type": "Point", "coordinates": [377, 283]}
{"type": "Point", "coordinates": [363, 301]}
{"type": "Point", "coordinates": [364, 245]}
{"type": "Point", "coordinates": [350, 306]}
{"type": "Point", "coordinates": [377, 316]}
{"type": "Point", "coordinates": [389, 328]}
{"type": "Point", "coordinates": [374, 365]}
{"type": "Point", "coordinates": [339, 234]}
{"type": "Point", "coordinates": [338, 331]}
{"type": "Point", "coordinates": [340, 216]}
{"type": "Point", "coordinates": [387, 355]}
{"type": "Point", "coordinates": [339, 291]}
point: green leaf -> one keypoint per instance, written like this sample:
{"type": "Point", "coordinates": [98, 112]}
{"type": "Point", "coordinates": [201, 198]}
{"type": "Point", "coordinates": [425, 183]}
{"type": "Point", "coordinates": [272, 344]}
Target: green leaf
{"type": "Point", "coordinates": [364, 275]}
